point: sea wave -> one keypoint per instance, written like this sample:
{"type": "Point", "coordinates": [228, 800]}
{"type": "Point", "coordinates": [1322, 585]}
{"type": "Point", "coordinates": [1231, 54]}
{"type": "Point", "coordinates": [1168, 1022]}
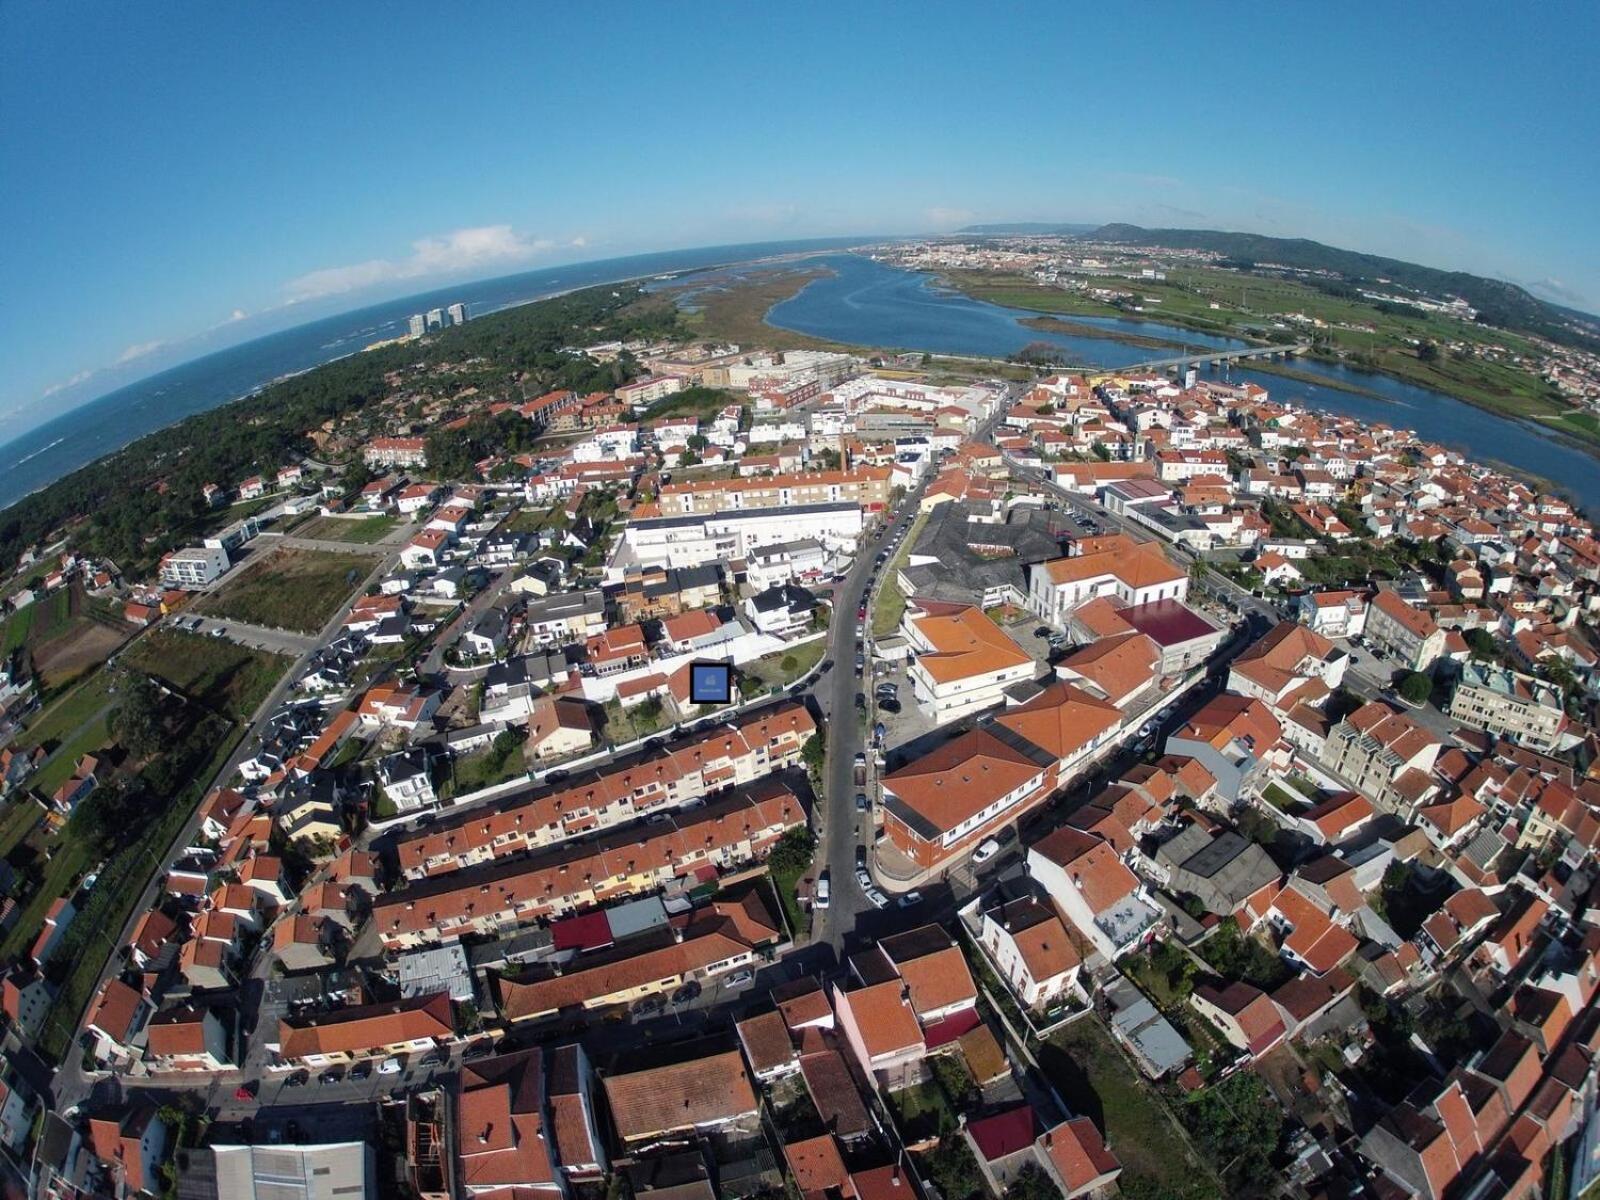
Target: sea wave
{"type": "Point", "coordinates": [39, 451]}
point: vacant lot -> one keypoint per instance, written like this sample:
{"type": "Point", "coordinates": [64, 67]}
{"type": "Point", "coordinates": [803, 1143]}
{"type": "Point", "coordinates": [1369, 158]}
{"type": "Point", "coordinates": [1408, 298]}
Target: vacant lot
{"type": "Point", "coordinates": [289, 589]}
{"type": "Point", "coordinates": [66, 633]}
{"type": "Point", "coordinates": [364, 530]}
{"type": "Point", "coordinates": [86, 644]}
{"type": "Point", "coordinates": [225, 677]}
{"type": "Point", "coordinates": [1095, 1080]}
{"type": "Point", "coordinates": [787, 665]}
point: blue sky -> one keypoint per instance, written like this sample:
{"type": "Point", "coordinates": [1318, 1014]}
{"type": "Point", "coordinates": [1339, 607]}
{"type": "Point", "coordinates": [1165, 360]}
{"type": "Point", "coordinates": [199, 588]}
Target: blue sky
{"type": "Point", "coordinates": [183, 176]}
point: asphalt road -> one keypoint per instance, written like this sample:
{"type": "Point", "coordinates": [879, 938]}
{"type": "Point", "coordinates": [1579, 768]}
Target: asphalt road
{"type": "Point", "coordinates": [72, 1083]}
{"type": "Point", "coordinates": [843, 828]}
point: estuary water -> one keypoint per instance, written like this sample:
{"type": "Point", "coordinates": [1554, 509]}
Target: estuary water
{"type": "Point", "coordinates": [871, 303]}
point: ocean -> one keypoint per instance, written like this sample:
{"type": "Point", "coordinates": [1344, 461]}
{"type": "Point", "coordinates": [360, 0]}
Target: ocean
{"type": "Point", "coordinates": [103, 426]}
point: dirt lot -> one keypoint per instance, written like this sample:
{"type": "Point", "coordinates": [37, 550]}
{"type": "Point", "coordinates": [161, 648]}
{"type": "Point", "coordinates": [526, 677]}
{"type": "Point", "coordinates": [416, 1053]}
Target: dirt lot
{"type": "Point", "coordinates": [68, 632]}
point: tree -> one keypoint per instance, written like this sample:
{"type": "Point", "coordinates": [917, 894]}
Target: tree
{"type": "Point", "coordinates": [1416, 687]}
{"type": "Point", "coordinates": [1484, 647]}
{"type": "Point", "coordinates": [136, 722]}
{"type": "Point", "coordinates": [814, 754]}
{"type": "Point", "coordinates": [953, 1170]}
{"type": "Point", "coordinates": [1031, 1183]}
{"type": "Point", "coordinates": [697, 442]}
{"type": "Point", "coordinates": [1428, 352]}
{"type": "Point", "coordinates": [792, 854]}
{"type": "Point", "coordinates": [1239, 1125]}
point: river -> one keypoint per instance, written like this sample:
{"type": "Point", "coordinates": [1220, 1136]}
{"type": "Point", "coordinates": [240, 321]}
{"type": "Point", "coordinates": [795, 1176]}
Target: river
{"type": "Point", "coordinates": [870, 303]}
{"type": "Point", "coordinates": [102, 426]}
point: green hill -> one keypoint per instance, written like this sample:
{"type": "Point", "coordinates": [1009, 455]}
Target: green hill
{"type": "Point", "coordinates": [1499, 303]}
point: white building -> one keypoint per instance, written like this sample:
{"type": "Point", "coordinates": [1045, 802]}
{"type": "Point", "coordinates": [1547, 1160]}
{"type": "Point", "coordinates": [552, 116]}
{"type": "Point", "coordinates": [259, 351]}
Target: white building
{"type": "Point", "coordinates": [800, 561]}
{"type": "Point", "coordinates": [194, 567]}
{"type": "Point", "coordinates": [693, 540]}
{"type": "Point", "coordinates": [1134, 574]}
{"type": "Point", "coordinates": [964, 661]}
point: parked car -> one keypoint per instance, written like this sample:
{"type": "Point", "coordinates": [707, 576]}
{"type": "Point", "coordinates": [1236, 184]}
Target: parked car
{"type": "Point", "coordinates": [820, 896]}
{"type": "Point", "coordinates": [986, 850]}
{"type": "Point", "coordinates": [738, 979]}
{"type": "Point", "coordinates": [862, 803]}
{"type": "Point", "coordinates": [390, 1066]}
{"type": "Point", "coordinates": [910, 900]}
{"type": "Point", "coordinates": [876, 898]}
{"type": "Point", "coordinates": [361, 1070]}
{"type": "Point", "coordinates": [333, 1075]}
{"type": "Point", "coordinates": [298, 1079]}
{"type": "Point", "coordinates": [889, 705]}
{"type": "Point", "coordinates": [863, 877]}
{"type": "Point", "coordinates": [861, 856]}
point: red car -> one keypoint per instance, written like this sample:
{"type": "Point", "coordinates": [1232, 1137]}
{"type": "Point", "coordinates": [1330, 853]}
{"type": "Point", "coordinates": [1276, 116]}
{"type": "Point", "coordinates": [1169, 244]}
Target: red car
{"type": "Point", "coordinates": [861, 613]}
{"type": "Point", "coordinates": [245, 1091]}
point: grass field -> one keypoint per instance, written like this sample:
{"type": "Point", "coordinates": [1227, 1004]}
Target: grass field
{"type": "Point", "coordinates": [1094, 1078]}
{"type": "Point", "coordinates": [771, 671]}
{"type": "Point", "coordinates": [66, 715]}
{"type": "Point", "coordinates": [17, 822]}
{"type": "Point", "coordinates": [289, 589]}
{"type": "Point", "coordinates": [485, 768]}
{"type": "Point", "coordinates": [89, 738]}
{"type": "Point", "coordinates": [224, 676]}
{"type": "Point", "coordinates": [360, 530]}
{"type": "Point", "coordinates": [121, 882]}
{"type": "Point", "coordinates": [891, 604]}
{"type": "Point", "coordinates": [66, 860]}
{"type": "Point", "coordinates": [16, 629]}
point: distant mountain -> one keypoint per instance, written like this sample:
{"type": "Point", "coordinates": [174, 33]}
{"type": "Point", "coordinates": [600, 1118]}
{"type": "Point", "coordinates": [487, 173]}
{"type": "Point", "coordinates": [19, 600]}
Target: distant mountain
{"type": "Point", "coordinates": [1499, 303]}
{"type": "Point", "coordinates": [1026, 229]}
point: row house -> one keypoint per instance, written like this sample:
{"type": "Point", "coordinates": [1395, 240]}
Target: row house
{"type": "Point", "coordinates": [730, 755]}
{"type": "Point", "coordinates": [495, 898]}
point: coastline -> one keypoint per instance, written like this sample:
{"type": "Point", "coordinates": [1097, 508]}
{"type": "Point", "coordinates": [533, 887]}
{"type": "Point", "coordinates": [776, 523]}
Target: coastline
{"type": "Point", "coordinates": [111, 453]}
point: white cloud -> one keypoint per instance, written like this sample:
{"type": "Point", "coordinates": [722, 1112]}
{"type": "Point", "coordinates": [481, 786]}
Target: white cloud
{"type": "Point", "coordinates": [139, 350]}
{"type": "Point", "coordinates": [454, 253]}
{"type": "Point", "coordinates": [80, 377]}
{"type": "Point", "coordinates": [949, 218]}
{"type": "Point", "coordinates": [238, 314]}
{"type": "Point", "coordinates": [580, 241]}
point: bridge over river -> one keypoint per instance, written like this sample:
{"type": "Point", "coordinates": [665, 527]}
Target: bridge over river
{"type": "Point", "coordinates": [1214, 358]}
